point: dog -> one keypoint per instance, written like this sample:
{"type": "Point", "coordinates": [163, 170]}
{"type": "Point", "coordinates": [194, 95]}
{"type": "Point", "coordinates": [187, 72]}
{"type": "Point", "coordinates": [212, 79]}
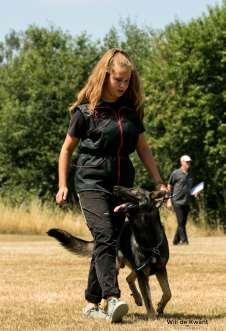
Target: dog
{"type": "Point", "coordinates": [142, 244]}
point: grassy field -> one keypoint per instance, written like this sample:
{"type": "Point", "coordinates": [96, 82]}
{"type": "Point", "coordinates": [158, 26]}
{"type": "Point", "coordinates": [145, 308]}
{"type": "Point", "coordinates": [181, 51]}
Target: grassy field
{"type": "Point", "coordinates": [42, 286]}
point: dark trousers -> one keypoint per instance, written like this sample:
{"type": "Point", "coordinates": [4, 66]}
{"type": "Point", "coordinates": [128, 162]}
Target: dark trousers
{"type": "Point", "coordinates": [181, 214]}
{"type": "Point", "coordinates": [97, 208]}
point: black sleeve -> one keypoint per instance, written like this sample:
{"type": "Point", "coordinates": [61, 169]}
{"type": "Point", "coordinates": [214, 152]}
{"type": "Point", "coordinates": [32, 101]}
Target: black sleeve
{"type": "Point", "coordinates": [77, 126]}
{"type": "Point", "coordinates": [139, 123]}
{"type": "Point", "coordinates": [141, 126]}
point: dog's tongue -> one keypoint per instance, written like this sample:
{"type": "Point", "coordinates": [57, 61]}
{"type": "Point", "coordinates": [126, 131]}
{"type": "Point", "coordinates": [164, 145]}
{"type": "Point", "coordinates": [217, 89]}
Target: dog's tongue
{"type": "Point", "coordinates": [119, 207]}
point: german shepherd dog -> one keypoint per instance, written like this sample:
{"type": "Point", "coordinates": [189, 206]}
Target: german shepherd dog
{"type": "Point", "coordinates": [142, 244]}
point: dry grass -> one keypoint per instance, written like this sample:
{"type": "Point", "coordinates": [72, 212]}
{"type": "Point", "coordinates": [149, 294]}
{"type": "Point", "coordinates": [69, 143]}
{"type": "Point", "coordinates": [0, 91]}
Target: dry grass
{"type": "Point", "coordinates": [37, 219]}
{"type": "Point", "coordinates": [42, 286]}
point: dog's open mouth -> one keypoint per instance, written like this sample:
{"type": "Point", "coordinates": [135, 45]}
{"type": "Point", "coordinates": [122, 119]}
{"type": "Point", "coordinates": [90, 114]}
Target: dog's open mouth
{"type": "Point", "coordinates": [125, 207]}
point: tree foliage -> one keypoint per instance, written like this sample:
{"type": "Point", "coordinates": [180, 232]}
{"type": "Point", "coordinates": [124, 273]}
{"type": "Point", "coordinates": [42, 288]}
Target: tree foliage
{"type": "Point", "coordinates": [185, 84]}
{"type": "Point", "coordinates": [40, 74]}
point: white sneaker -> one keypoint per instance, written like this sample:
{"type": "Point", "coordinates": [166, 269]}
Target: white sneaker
{"type": "Point", "coordinates": [94, 312]}
{"type": "Point", "coordinates": [116, 309]}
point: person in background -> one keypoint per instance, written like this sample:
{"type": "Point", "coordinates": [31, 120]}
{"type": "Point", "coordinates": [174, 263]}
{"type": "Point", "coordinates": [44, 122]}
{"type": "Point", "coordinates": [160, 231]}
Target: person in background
{"type": "Point", "coordinates": [107, 126]}
{"type": "Point", "coordinates": [180, 184]}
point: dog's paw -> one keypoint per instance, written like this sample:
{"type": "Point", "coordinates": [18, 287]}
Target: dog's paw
{"type": "Point", "coordinates": [151, 316]}
{"type": "Point", "coordinates": [159, 312]}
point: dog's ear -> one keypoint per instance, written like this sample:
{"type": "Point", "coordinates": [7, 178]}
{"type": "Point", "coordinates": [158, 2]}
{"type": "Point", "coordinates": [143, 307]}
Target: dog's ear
{"type": "Point", "coordinates": [126, 194]}
{"type": "Point", "coordinates": [157, 195]}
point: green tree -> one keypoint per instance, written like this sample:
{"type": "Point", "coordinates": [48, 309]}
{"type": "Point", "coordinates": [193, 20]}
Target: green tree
{"type": "Point", "coordinates": [185, 83]}
{"type": "Point", "coordinates": [40, 74]}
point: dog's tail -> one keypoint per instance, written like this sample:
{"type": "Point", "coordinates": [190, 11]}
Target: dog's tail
{"type": "Point", "coordinates": [71, 243]}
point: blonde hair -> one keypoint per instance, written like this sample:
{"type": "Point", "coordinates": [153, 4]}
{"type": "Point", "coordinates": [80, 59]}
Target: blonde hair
{"type": "Point", "coordinates": [92, 91]}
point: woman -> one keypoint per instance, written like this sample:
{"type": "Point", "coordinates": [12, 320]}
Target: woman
{"type": "Point", "coordinates": [107, 125]}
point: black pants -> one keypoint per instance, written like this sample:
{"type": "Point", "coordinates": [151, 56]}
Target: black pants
{"type": "Point", "coordinates": [181, 214]}
{"type": "Point", "coordinates": [97, 208]}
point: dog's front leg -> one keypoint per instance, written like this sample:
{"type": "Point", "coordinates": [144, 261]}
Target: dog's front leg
{"type": "Point", "coordinates": [166, 296]}
{"type": "Point", "coordinates": [131, 282]}
{"type": "Point", "coordinates": [146, 294]}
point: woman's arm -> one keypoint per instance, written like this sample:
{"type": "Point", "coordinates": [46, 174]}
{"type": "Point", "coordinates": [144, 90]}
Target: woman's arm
{"type": "Point", "coordinates": [145, 154]}
{"type": "Point", "coordinates": [63, 165]}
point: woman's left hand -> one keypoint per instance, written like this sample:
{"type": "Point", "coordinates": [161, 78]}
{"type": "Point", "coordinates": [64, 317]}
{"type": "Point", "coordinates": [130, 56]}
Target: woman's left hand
{"type": "Point", "coordinates": [161, 187]}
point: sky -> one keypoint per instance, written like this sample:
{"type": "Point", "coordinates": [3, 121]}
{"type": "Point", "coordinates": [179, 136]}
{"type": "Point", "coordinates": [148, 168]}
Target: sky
{"type": "Point", "coordinates": [96, 17]}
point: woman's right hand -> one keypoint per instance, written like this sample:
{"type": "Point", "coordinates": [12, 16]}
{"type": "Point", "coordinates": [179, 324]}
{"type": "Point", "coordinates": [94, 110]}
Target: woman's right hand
{"type": "Point", "coordinates": [64, 160]}
{"type": "Point", "coordinates": [61, 196]}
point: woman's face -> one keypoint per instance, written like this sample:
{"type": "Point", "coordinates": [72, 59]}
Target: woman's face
{"type": "Point", "coordinates": [117, 83]}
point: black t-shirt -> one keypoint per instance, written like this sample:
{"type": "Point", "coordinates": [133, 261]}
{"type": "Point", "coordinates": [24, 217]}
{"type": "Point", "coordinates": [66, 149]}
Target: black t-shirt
{"type": "Point", "coordinates": [107, 137]}
{"type": "Point", "coordinates": [101, 130]}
